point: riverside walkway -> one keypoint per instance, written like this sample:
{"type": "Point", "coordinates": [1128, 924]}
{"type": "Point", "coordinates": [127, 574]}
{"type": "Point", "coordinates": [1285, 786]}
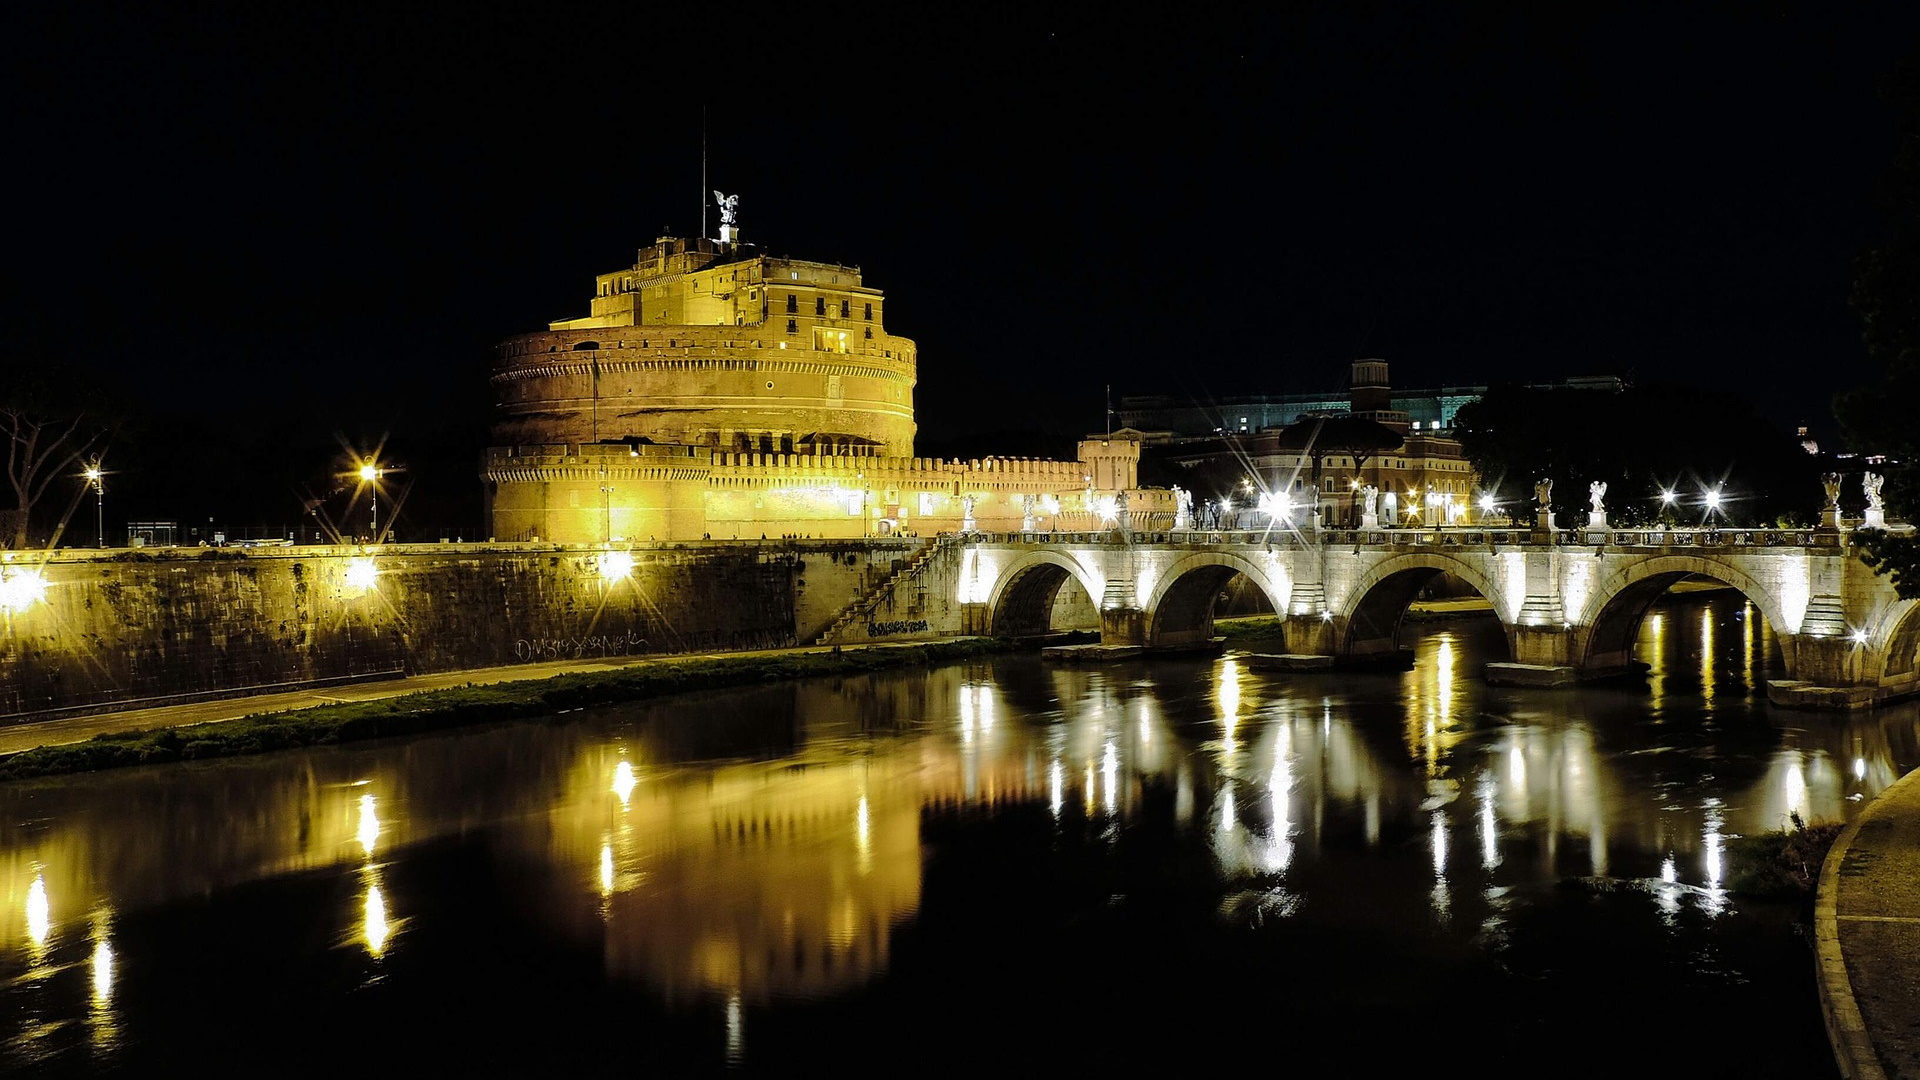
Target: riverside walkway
{"type": "Point", "coordinates": [1867, 938]}
{"type": "Point", "coordinates": [1866, 918]}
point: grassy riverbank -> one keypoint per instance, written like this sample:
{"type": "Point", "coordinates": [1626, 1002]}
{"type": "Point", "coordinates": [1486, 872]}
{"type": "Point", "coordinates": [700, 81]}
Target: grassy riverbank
{"type": "Point", "coordinates": [437, 710]}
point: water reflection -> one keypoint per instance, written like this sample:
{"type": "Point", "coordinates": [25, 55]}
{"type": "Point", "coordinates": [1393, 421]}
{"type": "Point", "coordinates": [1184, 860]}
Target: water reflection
{"type": "Point", "coordinates": [750, 847]}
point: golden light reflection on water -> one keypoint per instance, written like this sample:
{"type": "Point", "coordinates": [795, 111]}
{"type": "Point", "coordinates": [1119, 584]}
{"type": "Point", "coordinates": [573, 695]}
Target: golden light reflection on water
{"type": "Point", "coordinates": [374, 929]}
{"type": "Point", "coordinates": [369, 829]}
{"type": "Point", "coordinates": [1655, 628]}
{"type": "Point", "coordinates": [787, 875]}
{"type": "Point", "coordinates": [103, 1019]}
{"type": "Point", "coordinates": [39, 915]}
{"type": "Point", "coordinates": [1706, 655]}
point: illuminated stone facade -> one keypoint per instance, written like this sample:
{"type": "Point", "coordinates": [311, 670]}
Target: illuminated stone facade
{"type": "Point", "coordinates": [713, 391]}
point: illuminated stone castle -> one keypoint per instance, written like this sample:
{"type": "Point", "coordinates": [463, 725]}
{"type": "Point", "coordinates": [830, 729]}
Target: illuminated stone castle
{"type": "Point", "coordinates": [715, 391]}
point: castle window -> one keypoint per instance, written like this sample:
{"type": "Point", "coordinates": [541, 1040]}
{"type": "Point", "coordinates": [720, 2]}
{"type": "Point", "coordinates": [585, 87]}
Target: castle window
{"type": "Point", "coordinates": [869, 333]}
{"type": "Point", "coordinates": [843, 309]}
{"type": "Point", "coordinates": [869, 312]}
{"type": "Point", "coordinates": [819, 305]}
{"type": "Point", "coordinates": [793, 304]}
{"type": "Point", "coordinates": [793, 326]}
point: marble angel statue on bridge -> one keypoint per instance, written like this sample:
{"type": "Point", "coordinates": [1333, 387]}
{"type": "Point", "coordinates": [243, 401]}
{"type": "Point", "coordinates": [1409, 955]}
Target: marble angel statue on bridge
{"type": "Point", "coordinates": [1543, 492]}
{"type": "Point", "coordinates": [1872, 481]}
{"type": "Point", "coordinates": [1832, 483]}
{"type": "Point", "coordinates": [1597, 491]}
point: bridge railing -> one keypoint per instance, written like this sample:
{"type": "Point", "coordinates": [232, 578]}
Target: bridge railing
{"type": "Point", "coordinates": [1439, 536]}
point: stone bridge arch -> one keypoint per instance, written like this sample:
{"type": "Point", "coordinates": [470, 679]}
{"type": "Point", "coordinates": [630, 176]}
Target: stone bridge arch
{"type": "Point", "coordinates": [1369, 613]}
{"type": "Point", "coordinates": [1021, 604]}
{"type": "Point", "coordinates": [1899, 627]}
{"type": "Point", "coordinates": [1180, 608]}
{"type": "Point", "coordinates": [1608, 623]}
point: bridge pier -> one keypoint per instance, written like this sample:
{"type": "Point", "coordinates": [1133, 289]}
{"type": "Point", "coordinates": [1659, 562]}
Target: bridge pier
{"type": "Point", "coordinates": [1123, 626]}
{"type": "Point", "coordinates": [1310, 635]}
{"type": "Point", "coordinates": [1542, 656]}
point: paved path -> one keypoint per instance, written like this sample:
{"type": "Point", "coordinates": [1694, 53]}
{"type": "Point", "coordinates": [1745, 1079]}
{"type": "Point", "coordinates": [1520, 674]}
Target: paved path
{"type": "Point", "coordinates": [1867, 938]}
{"type": "Point", "coordinates": [28, 735]}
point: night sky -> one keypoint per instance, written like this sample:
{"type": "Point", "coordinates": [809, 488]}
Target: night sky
{"type": "Point", "coordinates": [268, 228]}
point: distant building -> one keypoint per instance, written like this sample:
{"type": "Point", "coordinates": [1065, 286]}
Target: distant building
{"type": "Point", "coordinates": [1425, 480]}
{"type": "Point", "coordinates": [716, 391]}
{"type": "Point", "coordinates": [1174, 419]}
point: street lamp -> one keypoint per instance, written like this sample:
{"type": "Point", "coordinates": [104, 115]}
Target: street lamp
{"type": "Point", "coordinates": [98, 479]}
{"type": "Point", "coordinates": [370, 475]}
{"type": "Point", "coordinates": [1712, 495]}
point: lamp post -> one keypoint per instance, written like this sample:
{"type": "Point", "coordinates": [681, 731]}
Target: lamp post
{"type": "Point", "coordinates": [98, 479]}
{"type": "Point", "coordinates": [370, 474]}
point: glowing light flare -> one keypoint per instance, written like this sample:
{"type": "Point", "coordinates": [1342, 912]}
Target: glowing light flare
{"type": "Point", "coordinates": [1056, 777]}
{"type": "Point", "coordinates": [616, 566]}
{"type": "Point", "coordinates": [624, 781]}
{"type": "Point", "coordinates": [606, 869]}
{"type": "Point", "coordinates": [21, 589]}
{"type": "Point", "coordinates": [361, 575]}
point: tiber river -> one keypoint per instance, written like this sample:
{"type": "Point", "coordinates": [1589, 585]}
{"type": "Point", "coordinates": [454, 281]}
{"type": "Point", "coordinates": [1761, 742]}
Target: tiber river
{"type": "Point", "coordinates": [1000, 868]}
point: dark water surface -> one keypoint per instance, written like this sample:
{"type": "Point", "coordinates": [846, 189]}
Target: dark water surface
{"type": "Point", "coordinates": [1005, 866]}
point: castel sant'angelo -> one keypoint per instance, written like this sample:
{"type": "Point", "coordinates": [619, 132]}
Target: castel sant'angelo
{"type": "Point", "coordinates": [715, 391]}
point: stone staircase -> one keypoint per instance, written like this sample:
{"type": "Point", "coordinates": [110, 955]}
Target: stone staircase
{"type": "Point", "coordinates": [863, 605]}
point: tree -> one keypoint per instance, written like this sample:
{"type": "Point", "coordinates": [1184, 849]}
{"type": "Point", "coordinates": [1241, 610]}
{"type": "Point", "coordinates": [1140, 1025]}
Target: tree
{"type": "Point", "coordinates": [1639, 441]}
{"type": "Point", "coordinates": [43, 443]}
{"type": "Point", "coordinates": [1877, 419]}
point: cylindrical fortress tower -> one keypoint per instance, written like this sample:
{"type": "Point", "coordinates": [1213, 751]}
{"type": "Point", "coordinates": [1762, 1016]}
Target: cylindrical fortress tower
{"type": "Point", "coordinates": [702, 344]}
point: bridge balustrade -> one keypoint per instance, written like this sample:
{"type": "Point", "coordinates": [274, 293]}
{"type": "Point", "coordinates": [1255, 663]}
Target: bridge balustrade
{"type": "Point", "coordinates": [1642, 538]}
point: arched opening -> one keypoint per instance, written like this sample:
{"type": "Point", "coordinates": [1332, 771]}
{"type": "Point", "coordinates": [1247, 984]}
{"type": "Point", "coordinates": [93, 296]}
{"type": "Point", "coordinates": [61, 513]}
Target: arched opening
{"type": "Point", "coordinates": [1903, 643]}
{"type": "Point", "coordinates": [1418, 593]}
{"type": "Point", "coordinates": [1685, 633]}
{"type": "Point", "coordinates": [1042, 599]}
{"type": "Point", "coordinates": [1186, 609]}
